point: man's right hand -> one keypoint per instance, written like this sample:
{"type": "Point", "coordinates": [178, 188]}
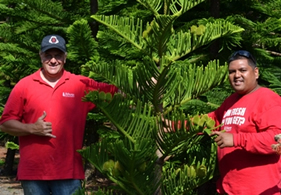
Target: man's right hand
{"type": "Point", "coordinates": [223, 139]}
{"type": "Point", "coordinates": [42, 128]}
{"type": "Point", "coordinates": [17, 128]}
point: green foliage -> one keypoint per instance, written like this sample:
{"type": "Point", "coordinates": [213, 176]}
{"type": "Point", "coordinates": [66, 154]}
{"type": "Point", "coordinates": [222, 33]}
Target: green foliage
{"type": "Point", "coordinates": [158, 54]}
{"type": "Point", "coordinates": [12, 145]}
{"type": "Point", "coordinates": [261, 21]}
{"type": "Point", "coordinates": [158, 77]}
{"type": "Point", "coordinates": [273, 81]}
{"type": "Point", "coordinates": [81, 45]}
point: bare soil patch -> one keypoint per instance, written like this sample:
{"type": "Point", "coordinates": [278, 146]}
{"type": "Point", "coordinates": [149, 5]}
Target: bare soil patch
{"type": "Point", "coordinates": [8, 184]}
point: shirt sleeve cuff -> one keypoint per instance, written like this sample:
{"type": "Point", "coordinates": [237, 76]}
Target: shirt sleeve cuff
{"type": "Point", "coordinates": [236, 140]}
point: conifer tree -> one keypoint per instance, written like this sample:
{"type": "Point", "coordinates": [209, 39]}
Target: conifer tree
{"type": "Point", "coordinates": [125, 49]}
{"type": "Point", "coordinates": [146, 153]}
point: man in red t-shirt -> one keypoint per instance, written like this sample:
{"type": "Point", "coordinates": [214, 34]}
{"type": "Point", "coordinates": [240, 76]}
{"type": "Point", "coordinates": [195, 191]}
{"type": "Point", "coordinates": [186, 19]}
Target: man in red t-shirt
{"type": "Point", "coordinates": [46, 111]}
{"type": "Point", "coordinates": [251, 119]}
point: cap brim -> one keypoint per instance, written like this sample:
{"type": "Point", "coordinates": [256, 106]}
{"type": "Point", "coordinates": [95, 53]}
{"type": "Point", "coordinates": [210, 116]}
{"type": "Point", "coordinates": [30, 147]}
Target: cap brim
{"type": "Point", "coordinates": [51, 47]}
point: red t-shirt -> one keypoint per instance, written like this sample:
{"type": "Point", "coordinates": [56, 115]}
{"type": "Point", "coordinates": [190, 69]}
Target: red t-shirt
{"type": "Point", "coordinates": [45, 158]}
{"type": "Point", "coordinates": [250, 167]}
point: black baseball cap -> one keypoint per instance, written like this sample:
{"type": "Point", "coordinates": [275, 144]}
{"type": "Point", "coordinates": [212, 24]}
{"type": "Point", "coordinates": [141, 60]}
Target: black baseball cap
{"type": "Point", "coordinates": [53, 41]}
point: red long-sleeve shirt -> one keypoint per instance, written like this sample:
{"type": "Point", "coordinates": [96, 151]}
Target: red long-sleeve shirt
{"type": "Point", "coordinates": [250, 167]}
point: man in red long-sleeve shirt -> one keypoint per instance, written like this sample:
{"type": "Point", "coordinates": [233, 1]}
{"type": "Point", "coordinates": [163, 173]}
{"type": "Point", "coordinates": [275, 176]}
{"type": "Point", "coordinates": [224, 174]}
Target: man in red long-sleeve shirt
{"type": "Point", "coordinates": [251, 119]}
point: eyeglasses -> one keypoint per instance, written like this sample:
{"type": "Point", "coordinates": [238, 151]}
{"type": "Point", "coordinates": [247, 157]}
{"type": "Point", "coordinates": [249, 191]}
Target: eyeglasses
{"type": "Point", "coordinates": [48, 57]}
{"type": "Point", "coordinates": [243, 53]}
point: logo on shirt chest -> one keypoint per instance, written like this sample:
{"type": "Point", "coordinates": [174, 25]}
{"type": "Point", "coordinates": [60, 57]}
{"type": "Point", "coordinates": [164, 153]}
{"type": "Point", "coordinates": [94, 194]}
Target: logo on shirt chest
{"type": "Point", "coordinates": [69, 95]}
{"type": "Point", "coordinates": [235, 116]}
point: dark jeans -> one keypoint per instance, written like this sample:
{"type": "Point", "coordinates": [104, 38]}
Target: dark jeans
{"type": "Point", "coordinates": [53, 187]}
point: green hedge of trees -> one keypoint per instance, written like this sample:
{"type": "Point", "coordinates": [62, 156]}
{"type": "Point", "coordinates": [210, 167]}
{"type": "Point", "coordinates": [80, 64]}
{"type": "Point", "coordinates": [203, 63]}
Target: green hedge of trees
{"type": "Point", "coordinates": [168, 59]}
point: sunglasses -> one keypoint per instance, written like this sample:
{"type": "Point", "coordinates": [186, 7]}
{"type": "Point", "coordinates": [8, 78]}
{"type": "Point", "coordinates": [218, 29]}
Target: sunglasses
{"type": "Point", "coordinates": [243, 53]}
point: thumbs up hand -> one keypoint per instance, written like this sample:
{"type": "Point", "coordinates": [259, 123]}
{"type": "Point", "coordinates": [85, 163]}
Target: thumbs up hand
{"type": "Point", "coordinates": [42, 128]}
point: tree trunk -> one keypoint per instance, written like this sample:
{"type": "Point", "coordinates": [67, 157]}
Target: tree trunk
{"type": "Point", "coordinates": [9, 162]}
{"type": "Point", "coordinates": [215, 12]}
{"type": "Point", "coordinates": [215, 8]}
{"type": "Point", "coordinates": [93, 24]}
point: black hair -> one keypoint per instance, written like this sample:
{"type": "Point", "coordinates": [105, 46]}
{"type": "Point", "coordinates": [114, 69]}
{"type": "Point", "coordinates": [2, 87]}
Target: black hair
{"type": "Point", "coordinates": [243, 54]}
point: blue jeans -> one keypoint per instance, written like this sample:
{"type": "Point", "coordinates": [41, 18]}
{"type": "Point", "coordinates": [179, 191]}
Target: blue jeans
{"type": "Point", "coordinates": [53, 187]}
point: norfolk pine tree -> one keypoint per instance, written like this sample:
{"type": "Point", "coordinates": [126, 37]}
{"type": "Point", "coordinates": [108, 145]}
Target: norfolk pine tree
{"type": "Point", "coordinates": [145, 153]}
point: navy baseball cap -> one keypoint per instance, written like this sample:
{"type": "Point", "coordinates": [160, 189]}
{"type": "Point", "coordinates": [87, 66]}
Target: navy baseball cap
{"type": "Point", "coordinates": [53, 41]}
